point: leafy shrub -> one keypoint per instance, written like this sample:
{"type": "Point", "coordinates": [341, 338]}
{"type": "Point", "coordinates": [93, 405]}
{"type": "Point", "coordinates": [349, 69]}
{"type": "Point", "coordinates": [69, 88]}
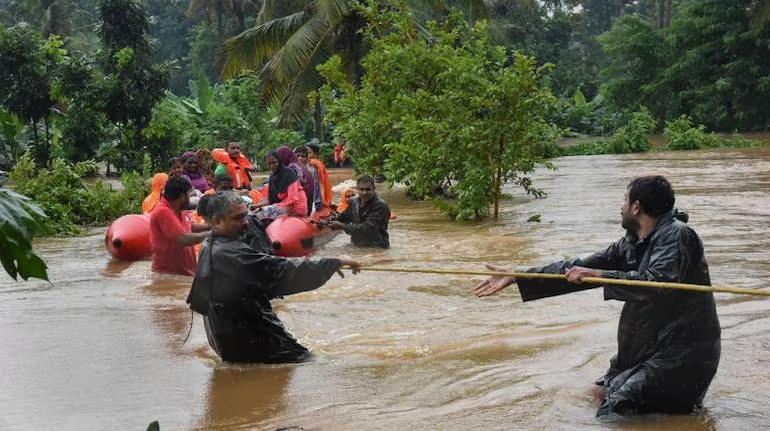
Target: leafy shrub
{"type": "Point", "coordinates": [680, 134]}
{"type": "Point", "coordinates": [86, 168]}
{"type": "Point", "coordinates": [635, 136]}
{"type": "Point", "coordinates": [68, 201]}
{"type": "Point", "coordinates": [738, 141]}
{"type": "Point", "coordinates": [58, 190]}
{"type": "Point", "coordinates": [587, 118]}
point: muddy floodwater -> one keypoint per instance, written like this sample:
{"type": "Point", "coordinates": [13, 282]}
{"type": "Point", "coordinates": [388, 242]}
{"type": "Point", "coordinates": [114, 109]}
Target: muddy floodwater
{"type": "Point", "coordinates": [102, 346]}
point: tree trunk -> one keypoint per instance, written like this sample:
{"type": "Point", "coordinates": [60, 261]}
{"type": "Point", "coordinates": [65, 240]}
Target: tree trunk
{"type": "Point", "coordinates": [666, 14]}
{"type": "Point", "coordinates": [47, 144]}
{"type": "Point", "coordinates": [220, 24]}
{"type": "Point", "coordinates": [499, 177]}
{"type": "Point", "coordinates": [238, 11]}
{"type": "Point", "coordinates": [37, 145]}
{"type": "Point", "coordinates": [318, 120]}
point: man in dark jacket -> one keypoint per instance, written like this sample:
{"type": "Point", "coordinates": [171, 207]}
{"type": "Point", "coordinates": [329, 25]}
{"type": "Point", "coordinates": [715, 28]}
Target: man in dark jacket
{"type": "Point", "coordinates": [234, 283]}
{"type": "Point", "coordinates": [366, 218]}
{"type": "Point", "coordinates": [668, 340]}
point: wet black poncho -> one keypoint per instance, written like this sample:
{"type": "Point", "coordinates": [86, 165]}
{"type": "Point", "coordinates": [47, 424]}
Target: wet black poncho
{"type": "Point", "coordinates": [232, 288]}
{"type": "Point", "coordinates": [255, 235]}
{"type": "Point", "coordinates": [668, 340]}
{"type": "Point", "coordinates": [367, 225]}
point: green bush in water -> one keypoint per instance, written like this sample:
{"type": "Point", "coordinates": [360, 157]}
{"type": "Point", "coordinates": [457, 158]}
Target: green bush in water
{"type": "Point", "coordinates": [681, 134]}
{"type": "Point", "coordinates": [69, 202]}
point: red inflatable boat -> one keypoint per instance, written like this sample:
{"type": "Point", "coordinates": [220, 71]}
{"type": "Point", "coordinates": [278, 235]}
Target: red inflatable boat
{"type": "Point", "coordinates": [297, 236]}
{"type": "Point", "coordinates": [128, 238]}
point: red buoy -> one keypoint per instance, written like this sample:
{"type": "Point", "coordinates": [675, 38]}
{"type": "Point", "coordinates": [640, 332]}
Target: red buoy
{"type": "Point", "coordinates": [296, 236]}
{"type": "Point", "coordinates": [128, 237]}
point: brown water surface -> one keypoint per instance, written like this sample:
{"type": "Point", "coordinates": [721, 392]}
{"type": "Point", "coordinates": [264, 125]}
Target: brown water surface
{"type": "Point", "coordinates": [101, 346]}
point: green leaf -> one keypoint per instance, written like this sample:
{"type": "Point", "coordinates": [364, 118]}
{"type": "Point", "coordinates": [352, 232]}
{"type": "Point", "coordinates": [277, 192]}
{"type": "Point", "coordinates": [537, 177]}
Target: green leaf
{"type": "Point", "coordinates": [18, 224]}
{"type": "Point", "coordinates": [580, 99]}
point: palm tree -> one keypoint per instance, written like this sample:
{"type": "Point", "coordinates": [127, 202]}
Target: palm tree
{"type": "Point", "coordinates": [292, 37]}
{"type": "Point", "coordinates": [216, 9]}
{"type": "Point", "coordinates": [49, 16]}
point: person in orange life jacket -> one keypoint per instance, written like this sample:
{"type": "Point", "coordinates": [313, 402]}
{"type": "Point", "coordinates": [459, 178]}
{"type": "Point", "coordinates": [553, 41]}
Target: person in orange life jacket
{"type": "Point", "coordinates": [301, 153]}
{"type": "Point", "coordinates": [172, 235]}
{"type": "Point", "coordinates": [285, 195]}
{"type": "Point", "coordinates": [234, 284]}
{"type": "Point", "coordinates": [668, 340]}
{"type": "Point", "coordinates": [237, 165]}
{"type": "Point", "coordinates": [156, 190]}
{"type": "Point", "coordinates": [366, 218]}
{"type": "Point", "coordinates": [323, 175]}
{"type": "Point", "coordinates": [347, 195]}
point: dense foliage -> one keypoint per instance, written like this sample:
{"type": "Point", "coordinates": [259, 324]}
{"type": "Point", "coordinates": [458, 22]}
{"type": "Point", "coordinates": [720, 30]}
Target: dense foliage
{"type": "Point", "coordinates": [62, 193]}
{"type": "Point", "coordinates": [448, 113]}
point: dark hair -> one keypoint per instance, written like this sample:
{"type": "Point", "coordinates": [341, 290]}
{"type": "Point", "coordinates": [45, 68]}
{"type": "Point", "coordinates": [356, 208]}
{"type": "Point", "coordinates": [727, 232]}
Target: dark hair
{"type": "Point", "coordinates": [175, 187]}
{"type": "Point", "coordinates": [173, 161]}
{"type": "Point", "coordinates": [365, 179]}
{"type": "Point", "coordinates": [654, 194]}
{"type": "Point", "coordinates": [222, 178]}
{"type": "Point", "coordinates": [315, 147]}
{"type": "Point", "coordinates": [230, 141]}
{"type": "Point", "coordinates": [301, 150]}
{"type": "Point", "coordinates": [203, 204]}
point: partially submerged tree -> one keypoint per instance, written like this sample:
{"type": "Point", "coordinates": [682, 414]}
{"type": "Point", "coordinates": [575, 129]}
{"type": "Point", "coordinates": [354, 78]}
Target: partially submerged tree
{"type": "Point", "coordinates": [447, 114]}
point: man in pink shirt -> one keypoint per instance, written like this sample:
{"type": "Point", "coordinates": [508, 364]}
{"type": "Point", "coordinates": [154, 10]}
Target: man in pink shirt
{"type": "Point", "coordinates": [172, 234]}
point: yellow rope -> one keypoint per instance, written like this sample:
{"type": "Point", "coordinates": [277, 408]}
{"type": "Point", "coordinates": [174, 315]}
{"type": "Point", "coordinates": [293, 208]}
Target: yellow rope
{"type": "Point", "coordinates": [591, 280]}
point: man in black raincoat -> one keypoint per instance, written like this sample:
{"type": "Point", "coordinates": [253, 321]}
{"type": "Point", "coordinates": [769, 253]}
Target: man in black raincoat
{"type": "Point", "coordinates": [234, 283]}
{"type": "Point", "coordinates": [366, 218]}
{"type": "Point", "coordinates": [668, 340]}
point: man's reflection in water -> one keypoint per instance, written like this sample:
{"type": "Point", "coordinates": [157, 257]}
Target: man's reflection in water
{"type": "Point", "coordinates": [247, 396]}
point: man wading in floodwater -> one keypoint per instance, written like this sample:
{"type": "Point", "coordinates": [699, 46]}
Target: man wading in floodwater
{"type": "Point", "coordinates": [668, 340]}
{"type": "Point", "coordinates": [234, 284]}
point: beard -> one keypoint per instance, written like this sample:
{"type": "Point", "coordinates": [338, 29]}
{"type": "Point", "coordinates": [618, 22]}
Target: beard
{"type": "Point", "coordinates": [629, 222]}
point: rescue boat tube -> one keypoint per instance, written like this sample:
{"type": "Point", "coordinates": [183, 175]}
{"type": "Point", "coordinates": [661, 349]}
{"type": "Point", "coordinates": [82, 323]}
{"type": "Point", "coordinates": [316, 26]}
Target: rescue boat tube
{"type": "Point", "coordinates": [128, 237]}
{"type": "Point", "coordinates": [296, 236]}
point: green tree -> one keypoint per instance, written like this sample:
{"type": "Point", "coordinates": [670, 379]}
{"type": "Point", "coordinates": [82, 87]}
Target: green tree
{"type": "Point", "coordinates": [292, 37]}
{"type": "Point", "coordinates": [132, 85]}
{"type": "Point", "coordinates": [85, 126]}
{"type": "Point", "coordinates": [638, 56]}
{"type": "Point", "coordinates": [447, 113]}
{"type": "Point", "coordinates": [721, 73]}
{"type": "Point", "coordinates": [19, 222]}
{"type": "Point", "coordinates": [28, 73]}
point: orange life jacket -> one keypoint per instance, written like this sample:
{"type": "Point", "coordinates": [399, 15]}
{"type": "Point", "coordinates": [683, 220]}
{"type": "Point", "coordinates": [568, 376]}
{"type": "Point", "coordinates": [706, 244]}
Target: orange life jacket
{"type": "Point", "coordinates": [236, 170]}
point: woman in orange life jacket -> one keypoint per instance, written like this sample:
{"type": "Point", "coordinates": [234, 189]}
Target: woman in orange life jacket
{"type": "Point", "coordinates": [158, 182]}
{"type": "Point", "coordinates": [153, 199]}
{"type": "Point", "coordinates": [347, 195]}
